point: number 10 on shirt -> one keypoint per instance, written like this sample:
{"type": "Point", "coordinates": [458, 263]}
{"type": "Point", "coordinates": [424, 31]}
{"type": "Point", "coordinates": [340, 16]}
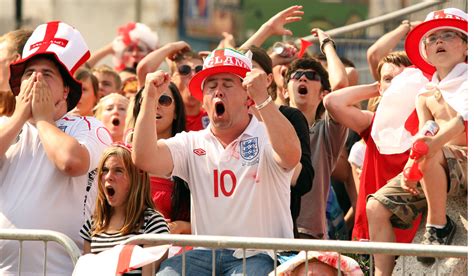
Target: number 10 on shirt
{"type": "Point", "coordinates": [219, 182]}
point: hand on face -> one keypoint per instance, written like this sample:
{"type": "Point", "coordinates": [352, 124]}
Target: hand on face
{"type": "Point", "coordinates": [42, 103]}
{"type": "Point", "coordinates": [24, 98]}
{"type": "Point", "coordinates": [255, 82]}
{"type": "Point", "coordinates": [156, 83]}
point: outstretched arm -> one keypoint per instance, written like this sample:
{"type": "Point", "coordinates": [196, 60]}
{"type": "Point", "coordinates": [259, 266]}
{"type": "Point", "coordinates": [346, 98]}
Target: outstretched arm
{"type": "Point", "coordinates": [152, 61]}
{"type": "Point", "coordinates": [285, 143]}
{"type": "Point", "coordinates": [100, 54]}
{"type": "Point", "coordinates": [385, 44]}
{"type": "Point", "coordinates": [275, 26]}
{"type": "Point", "coordinates": [341, 105]}
{"type": "Point", "coordinates": [336, 69]}
{"type": "Point", "coordinates": [145, 147]}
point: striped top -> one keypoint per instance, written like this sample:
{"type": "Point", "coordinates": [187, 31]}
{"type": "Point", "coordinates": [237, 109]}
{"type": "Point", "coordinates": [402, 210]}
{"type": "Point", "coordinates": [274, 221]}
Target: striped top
{"type": "Point", "coordinates": [154, 223]}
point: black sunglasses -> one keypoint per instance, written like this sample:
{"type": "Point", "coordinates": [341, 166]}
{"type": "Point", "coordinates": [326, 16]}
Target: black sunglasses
{"type": "Point", "coordinates": [310, 75]}
{"type": "Point", "coordinates": [186, 69]}
{"type": "Point", "coordinates": [165, 100]}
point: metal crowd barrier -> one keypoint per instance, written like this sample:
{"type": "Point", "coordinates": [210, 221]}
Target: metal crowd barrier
{"type": "Point", "coordinates": [46, 236]}
{"type": "Point", "coordinates": [221, 242]}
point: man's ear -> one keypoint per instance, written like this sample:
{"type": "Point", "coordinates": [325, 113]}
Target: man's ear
{"type": "Point", "coordinates": [16, 57]}
{"type": "Point", "coordinates": [249, 102]}
{"type": "Point", "coordinates": [66, 92]}
{"type": "Point", "coordinates": [286, 94]}
{"type": "Point", "coordinates": [269, 79]}
{"type": "Point", "coordinates": [323, 93]}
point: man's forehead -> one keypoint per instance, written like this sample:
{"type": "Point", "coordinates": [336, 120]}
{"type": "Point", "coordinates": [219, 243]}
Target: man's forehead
{"type": "Point", "coordinates": [439, 31]}
{"type": "Point", "coordinates": [224, 77]}
{"type": "Point", "coordinates": [43, 62]}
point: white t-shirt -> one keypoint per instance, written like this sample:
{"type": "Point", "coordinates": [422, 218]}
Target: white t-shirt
{"type": "Point", "coordinates": [34, 194]}
{"type": "Point", "coordinates": [357, 154]}
{"type": "Point", "coordinates": [239, 190]}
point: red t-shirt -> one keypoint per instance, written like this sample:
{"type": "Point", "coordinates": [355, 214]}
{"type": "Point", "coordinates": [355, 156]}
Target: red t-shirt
{"type": "Point", "coordinates": [161, 190]}
{"type": "Point", "coordinates": [377, 170]}
{"type": "Point", "coordinates": [197, 122]}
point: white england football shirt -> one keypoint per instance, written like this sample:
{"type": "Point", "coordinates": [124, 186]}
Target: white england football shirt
{"type": "Point", "coordinates": [239, 190]}
{"type": "Point", "coordinates": [34, 194]}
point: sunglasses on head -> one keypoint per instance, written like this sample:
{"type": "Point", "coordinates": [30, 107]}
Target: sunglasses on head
{"type": "Point", "coordinates": [165, 100]}
{"type": "Point", "coordinates": [186, 69]}
{"type": "Point", "coordinates": [310, 75]}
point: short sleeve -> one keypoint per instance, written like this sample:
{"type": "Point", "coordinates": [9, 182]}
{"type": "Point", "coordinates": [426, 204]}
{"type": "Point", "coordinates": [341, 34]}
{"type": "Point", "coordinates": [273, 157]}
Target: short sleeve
{"type": "Point", "coordinates": [86, 231]}
{"type": "Point", "coordinates": [178, 146]}
{"type": "Point", "coordinates": [155, 223]}
{"type": "Point", "coordinates": [91, 133]}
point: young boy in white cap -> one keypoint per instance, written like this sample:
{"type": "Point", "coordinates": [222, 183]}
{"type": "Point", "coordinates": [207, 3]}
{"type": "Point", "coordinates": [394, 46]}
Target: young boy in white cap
{"type": "Point", "coordinates": [47, 158]}
{"type": "Point", "coordinates": [439, 46]}
{"type": "Point", "coordinates": [238, 169]}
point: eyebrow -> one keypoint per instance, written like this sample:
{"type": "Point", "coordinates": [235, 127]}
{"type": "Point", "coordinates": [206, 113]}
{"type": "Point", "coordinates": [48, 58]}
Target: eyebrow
{"type": "Point", "coordinates": [216, 79]}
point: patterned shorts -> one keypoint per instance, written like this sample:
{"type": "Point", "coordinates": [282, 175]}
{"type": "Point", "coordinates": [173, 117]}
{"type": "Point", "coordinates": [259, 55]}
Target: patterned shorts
{"type": "Point", "coordinates": [405, 206]}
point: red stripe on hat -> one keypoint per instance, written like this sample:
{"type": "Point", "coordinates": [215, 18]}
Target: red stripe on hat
{"type": "Point", "coordinates": [51, 30]}
{"type": "Point", "coordinates": [124, 259]}
{"type": "Point", "coordinates": [81, 61]}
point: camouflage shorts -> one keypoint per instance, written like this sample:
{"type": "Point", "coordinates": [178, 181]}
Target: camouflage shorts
{"type": "Point", "coordinates": [405, 206]}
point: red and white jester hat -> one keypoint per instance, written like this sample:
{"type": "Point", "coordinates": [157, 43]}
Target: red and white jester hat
{"type": "Point", "coordinates": [449, 18]}
{"type": "Point", "coordinates": [220, 61]}
{"type": "Point", "coordinates": [63, 44]}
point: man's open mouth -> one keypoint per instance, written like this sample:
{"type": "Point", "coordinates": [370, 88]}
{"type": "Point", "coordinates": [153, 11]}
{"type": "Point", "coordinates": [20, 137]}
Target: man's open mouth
{"type": "Point", "coordinates": [302, 89]}
{"type": "Point", "coordinates": [220, 108]}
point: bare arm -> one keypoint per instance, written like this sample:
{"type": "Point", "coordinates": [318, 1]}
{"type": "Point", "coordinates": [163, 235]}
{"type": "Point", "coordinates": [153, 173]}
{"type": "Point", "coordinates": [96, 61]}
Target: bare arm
{"type": "Point", "coordinates": [285, 143]}
{"type": "Point", "coordinates": [87, 247]}
{"type": "Point", "coordinates": [152, 61]}
{"type": "Point", "coordinates": [336, 69]}
{"type": "Point", "coordinates": [145, 147]}
{"type": "Point", "coordinates": [385, 44]}
{"type": "Point", "coordinates": [341, 106]}
{"type": "Point", "coordinates": [275, 26]}
{"type": "Point", "coordinates": [100, 54]}
{"type": "Point", "coordinates": [71, 157]}
{"type": "Point", "coordinates": [446, 133]}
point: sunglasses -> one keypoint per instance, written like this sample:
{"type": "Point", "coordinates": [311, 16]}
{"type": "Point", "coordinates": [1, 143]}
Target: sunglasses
{"type": "Point", "coordinates": [445, 36]}
{"type": "Point", "coordinates": [165, 100]}
{"type": "Point", "coordinates": [310, 75]}
{"type": "Point", "coordinates": [186, 69]}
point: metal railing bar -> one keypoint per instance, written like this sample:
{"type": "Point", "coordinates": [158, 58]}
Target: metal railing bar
{"type": "Point", "coordinates": [213, 262]}
{"type": "Point", "coordinates": [303, 244]}
{"type": "Point", "coordinates": [43, 235]}
{"type": "Point", "coordinates": [377, 20]}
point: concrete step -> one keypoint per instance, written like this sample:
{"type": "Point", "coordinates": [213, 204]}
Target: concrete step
{"type": "Point", "coordinates": [457, 211]}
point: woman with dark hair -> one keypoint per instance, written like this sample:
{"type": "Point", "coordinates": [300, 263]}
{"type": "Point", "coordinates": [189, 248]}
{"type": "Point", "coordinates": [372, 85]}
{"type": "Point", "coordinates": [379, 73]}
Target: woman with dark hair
{"type": "Point", "coordinates": [170, 196]}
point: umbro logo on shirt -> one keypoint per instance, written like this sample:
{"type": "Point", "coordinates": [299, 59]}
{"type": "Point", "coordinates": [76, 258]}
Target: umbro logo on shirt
{"type": "Point", "coordinates": [199, 152]}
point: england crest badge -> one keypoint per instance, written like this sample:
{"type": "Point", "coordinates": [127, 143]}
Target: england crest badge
{"type": "Point", "coordinates": [249, 148]}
